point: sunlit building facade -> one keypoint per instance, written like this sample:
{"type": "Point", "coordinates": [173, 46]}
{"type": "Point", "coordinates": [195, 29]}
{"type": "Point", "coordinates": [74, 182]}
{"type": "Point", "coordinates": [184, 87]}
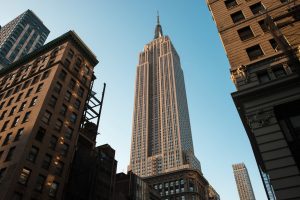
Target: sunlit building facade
{"type": "Point", "coordinates": [161, 133]}
{"type": "Point", "coordinates": [262, 43]}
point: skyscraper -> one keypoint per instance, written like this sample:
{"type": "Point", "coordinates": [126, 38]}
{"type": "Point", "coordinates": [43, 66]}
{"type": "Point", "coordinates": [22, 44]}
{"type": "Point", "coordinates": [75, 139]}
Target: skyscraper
{"type": "Point", "coordinates": [21, 36]}
{"type": "Point", "coordinates": [243, 182]}
{"type": "Point", "coordinates": [261, 40]}
{"type": "Point", "coordinates": [161, 132]}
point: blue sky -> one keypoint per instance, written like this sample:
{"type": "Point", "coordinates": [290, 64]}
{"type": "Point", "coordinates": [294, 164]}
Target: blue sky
{"type": "Point", "coordinates": [116, 31]}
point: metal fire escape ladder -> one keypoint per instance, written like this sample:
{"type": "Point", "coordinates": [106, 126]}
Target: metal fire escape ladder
{"type": "Point", "coordinates": [93, 107]}
{"type": "Point", "coordinates": [279, 37]}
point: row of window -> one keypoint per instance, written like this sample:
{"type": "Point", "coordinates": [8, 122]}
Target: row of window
{"type": "Point", "coordinates": [239, 16]}
{"type": "Point", "coordinates": [233, 3]}
{"type": "Point", "coordinates": [39, 184]}
{"type": "Point", "coordinates": [21, 108]}
{"type": "Point", "coordinates": [25, 85]}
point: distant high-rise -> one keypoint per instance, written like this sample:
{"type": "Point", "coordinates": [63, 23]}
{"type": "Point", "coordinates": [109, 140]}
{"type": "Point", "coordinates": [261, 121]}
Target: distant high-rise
{"type": "Point", "coordinates": [243, 182]}
{"type": "Point", "coordinates": [161, 133]}
{"type": "Point", "coordinates": [21, 36]}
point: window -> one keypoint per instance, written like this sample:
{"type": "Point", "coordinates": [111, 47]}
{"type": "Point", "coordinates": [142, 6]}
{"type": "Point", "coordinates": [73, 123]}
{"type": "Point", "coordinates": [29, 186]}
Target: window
{"type": "Point", "coordinates": [72, 84]}
{"type": "Point", "coordinates": [47, 161]}
{"type": "Point", "coordinates": [2, 171]}
{"type": "Point", "coordinates": [63, 110]}
{"type": "Point", "coordinates": [53, 189]}
{"type": "Point", "coordinates": [17, 89]}
{"type": "Point", "coordinates": [19, 134]}
{"type": "Point", "coordinates": [237, 16]}
{"type": "Point", "coordinates": [7, 139]}
{"type": "Point", "coordinates": [257, 8]}
{"type": "Point", "coordinates": [10, 154]}
{"type": "Point", "coordinates": [279, 71]}
{"type": "Point", "coordinates": [24, 176]}
{"type": "Point", "coordinates": [68, 96]}
{"type": "Point", "coordinates": [254, 52]}
{"type": "Point", "coordinates": [47, 116]}
{"type": "Point", "coordinates": [58, 125]}
{"type": "Point", "coordinates": [274, 44]}
{"type": "Point", "coordinates": [45, 75]}
{"type": "Point", "coordinates": [33, 101]}
{"type": "Point", "coordinates": [73, 117]}
{"type": "Point", "coordinates": [40, 134]}
{"type": "Point", "coordinates": [69, 132]}
{"type": "Point", "coordinates": [70, 54]}
{"type": "Point", "coordinates": [10, 101]}
{"type": "Point", "coordinates": [230, 3]}
{"type": "Point", "coordinates": [80, 91]}
{"type": "Point", "coordinates": [8, 93]}
{"type": "Point", "coordinates": [245, 33]}
{"type": "Point", "coordinates": [35, 79]}
{"type": "Point", "coordinates": [77, 104]}
{"type": "Point", "coordinates": [86, 70]}
{"type": "Point", "coordinates": [39, 88]}
{"type": "Point", "coordinates": [64, 149]}
{"type": "Point", "coordinates": [53, 142]}
{"type": "Point", "coordinates": [26, 84]}
{"type": "Point", "coordinates": [2, 104]}
{"type": "Point", "coordinates": [2, 116]}
{"type": "Point", "coordinates": [77, 65]}
{"type": "Point", "coordinates": [15, 122]}
{"type": "Point", "coordinates": [62, 75]}
{"type": "Point", "coordinates": [59, 167]}
{"type": "Point", "coordinates": [67, 63]}
{"type": "Point", "coordinates": [19, 97]}
{"type": "Point", "coordinates": [57, 87]}
{"type": "Point", "coordinates": [4, 127]}
{"type": "Point", "coordinates": [22, 107]}
{"type": "Point", "coordinates": [52, 101]}
{"type": "Point", "coordinates": [263, 77]}
{"type": "Point", "coordinates": [40, 181]}
{"type": "Point", "coordinates": [263, 26]}
{"type": "Point", "coordinates": [29, 92]}
{"type": "Point", "coordinates": [32, 154]}
{"type": "Point", "coordinates": [26, 117]}
{"type": "Point", "coordinates": [12, 110]}
{"type": "Point", "coordinates": [84, 80]}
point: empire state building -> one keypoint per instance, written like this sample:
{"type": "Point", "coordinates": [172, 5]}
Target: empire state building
{"type": "Point", "coordinates": [161, 132]}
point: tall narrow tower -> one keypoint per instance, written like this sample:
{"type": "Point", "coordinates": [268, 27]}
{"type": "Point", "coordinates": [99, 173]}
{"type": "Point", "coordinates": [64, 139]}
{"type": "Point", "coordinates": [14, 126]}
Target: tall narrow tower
{"type": "Point", "coordinates": [243, 182]}
{"type": "Point", "coordinates": [161, 132]}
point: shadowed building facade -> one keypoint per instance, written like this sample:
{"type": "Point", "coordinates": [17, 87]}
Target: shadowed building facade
{"type": "Point", "coordinates": [42, 100]}
{"type": "Point", "coordinates": [21, 36]}
{"type": "Point", "coordinates": [243, 182]}
{"type": "Point", "coordinates": [262, 43]}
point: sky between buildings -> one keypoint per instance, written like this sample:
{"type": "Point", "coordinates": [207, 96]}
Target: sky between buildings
{"type": "Point", "coordinates": [116, 31]}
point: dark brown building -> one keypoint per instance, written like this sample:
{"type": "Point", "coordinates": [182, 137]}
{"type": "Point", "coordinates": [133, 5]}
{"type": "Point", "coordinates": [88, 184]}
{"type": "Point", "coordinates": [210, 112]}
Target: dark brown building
{"type": "Point", "coordinates": [182, 184]}
{"type": "Point", "coordinates": [42, 100]}
{"type": "Point", "coordinates": [93, 170]}
{"type": "Point", "coordinates": [131, 187]}
{"type": "Point", "coordinates": [262, 43]}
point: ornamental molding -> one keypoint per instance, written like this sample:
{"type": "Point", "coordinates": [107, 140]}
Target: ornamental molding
{"type": "Point", "coordinates": [260, 119]}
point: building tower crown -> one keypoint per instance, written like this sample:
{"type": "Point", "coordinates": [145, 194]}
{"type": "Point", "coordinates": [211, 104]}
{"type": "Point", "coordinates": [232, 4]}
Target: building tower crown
{"type": "Point", "coordinates": [158, 29]}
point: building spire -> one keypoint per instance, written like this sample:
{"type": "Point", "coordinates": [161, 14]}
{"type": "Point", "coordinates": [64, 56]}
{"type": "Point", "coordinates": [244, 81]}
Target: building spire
{"type": "Point", "coordinates": [158, 29]}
